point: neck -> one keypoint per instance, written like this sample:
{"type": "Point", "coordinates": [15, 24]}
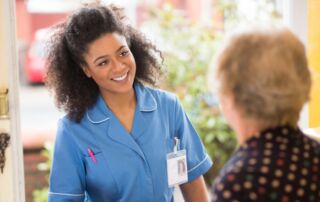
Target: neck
{"type": "Point", "coordinates": [247, 129]}
{"type": "Point", "coordinates": [121, 101]}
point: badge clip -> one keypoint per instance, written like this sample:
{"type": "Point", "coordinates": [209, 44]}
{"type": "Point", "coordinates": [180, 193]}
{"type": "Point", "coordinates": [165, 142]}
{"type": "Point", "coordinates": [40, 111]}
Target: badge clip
{"type": "Point", "coordinates": [176, 144]}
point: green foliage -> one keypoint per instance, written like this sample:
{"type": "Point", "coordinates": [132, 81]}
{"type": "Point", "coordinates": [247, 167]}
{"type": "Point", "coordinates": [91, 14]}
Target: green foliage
{"type": "Point", "coordinates": [188, 51]}
{"type": "Point", "coordinates": [41, 195]}
{"type": "Point", "coordinates": [239, 14]}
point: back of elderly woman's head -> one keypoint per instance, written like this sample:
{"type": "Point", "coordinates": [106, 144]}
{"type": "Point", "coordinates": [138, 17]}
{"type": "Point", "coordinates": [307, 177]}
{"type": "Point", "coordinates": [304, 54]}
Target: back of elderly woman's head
{"type": "Point", "coordinates": [266, 74]}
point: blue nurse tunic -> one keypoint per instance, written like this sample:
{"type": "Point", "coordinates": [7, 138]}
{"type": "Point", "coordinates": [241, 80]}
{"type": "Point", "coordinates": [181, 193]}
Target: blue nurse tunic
{"type": "Point", "coordinates": [98, 160]}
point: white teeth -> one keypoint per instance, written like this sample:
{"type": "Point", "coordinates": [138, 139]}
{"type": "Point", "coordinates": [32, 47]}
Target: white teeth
{"type": "Point", "coordinates": [121, 77]}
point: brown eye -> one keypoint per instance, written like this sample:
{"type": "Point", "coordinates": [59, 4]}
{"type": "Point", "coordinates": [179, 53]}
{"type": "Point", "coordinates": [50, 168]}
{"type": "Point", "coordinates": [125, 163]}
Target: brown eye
{"type": "Point", "coordinates": [124, 53]}
{"type": "Point", "coordinates": [104, 62]}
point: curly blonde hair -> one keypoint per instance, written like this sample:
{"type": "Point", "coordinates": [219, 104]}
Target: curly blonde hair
{"type": "Point", "coordinates": [266, 73]}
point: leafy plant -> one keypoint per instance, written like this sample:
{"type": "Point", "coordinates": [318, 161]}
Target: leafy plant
{"type": "Point", "coordinates": [41, 195]}
{"type": "Point", "coordinates": [188, 50]}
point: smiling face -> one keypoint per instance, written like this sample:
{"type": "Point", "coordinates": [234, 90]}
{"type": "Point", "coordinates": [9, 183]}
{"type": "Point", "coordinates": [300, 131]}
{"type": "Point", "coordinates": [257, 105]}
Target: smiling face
{"type": "Point", "coordinates": [111, 64]}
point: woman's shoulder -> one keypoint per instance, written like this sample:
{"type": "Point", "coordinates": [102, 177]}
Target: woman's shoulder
{"type": "Point", "coordinates": [66, 121]}
{"type": "Point", "coordinates": [73, 132]}
{"type": "Point", "coordinates": [64, 135]}
{"type": "Point", "coordinates": [67, 124]}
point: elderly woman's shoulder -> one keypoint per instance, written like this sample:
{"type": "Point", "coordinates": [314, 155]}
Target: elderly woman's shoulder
{"type": "Point", "coordinates": [310, 141]}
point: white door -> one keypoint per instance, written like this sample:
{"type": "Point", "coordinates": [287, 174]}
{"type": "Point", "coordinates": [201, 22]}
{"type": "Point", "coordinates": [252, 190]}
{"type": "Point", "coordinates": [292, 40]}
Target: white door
{"type": "Point", "coordinates": [11, 179]}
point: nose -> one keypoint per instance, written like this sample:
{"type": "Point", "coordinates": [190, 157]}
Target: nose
{"type": "Point", "coordinates": [118, 65]}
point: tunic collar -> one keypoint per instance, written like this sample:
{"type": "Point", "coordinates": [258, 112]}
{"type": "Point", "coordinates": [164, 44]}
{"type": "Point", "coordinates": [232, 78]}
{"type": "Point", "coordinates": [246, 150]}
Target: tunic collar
{"type": "Point", "coordinates": [145, 103]}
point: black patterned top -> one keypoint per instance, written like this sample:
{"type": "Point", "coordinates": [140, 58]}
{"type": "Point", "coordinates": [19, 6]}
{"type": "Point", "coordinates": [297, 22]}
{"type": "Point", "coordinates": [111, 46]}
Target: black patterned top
{"type": "Point", "coordinates": [280, 164]}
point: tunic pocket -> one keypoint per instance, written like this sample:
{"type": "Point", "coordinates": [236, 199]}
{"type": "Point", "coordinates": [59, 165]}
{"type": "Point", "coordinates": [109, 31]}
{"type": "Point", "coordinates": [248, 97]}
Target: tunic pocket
{"type": "Point", "coordinates": [99, 180]}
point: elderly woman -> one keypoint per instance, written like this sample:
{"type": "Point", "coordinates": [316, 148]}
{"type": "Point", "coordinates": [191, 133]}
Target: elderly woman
{"type": "Point", "coordinates": [264, 81]}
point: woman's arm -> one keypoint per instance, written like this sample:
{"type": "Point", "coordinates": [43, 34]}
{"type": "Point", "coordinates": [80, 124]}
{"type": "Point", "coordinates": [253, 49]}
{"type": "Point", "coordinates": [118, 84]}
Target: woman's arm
{"type": "Point", "coordinates": [195, 191]}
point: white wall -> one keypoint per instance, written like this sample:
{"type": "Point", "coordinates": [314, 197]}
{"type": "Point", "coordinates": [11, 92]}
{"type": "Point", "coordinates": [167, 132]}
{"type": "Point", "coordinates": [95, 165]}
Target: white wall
{"type": "Point", "coordinates": [295, 17]}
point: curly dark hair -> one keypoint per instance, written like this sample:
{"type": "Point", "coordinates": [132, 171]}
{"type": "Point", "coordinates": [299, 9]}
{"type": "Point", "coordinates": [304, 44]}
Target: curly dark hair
{"type": "Point", "coordinates": [74, 92]}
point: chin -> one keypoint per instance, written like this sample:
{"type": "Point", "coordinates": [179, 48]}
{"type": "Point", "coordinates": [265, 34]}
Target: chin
{"type": "Point", "coordinates": [123, 89]}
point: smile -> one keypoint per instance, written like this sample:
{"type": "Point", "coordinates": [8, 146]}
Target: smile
{"type": "Point", "coordinates": [120, 78]}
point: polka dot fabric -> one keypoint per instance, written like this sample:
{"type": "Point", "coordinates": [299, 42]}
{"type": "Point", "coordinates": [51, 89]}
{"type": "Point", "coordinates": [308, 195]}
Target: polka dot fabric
{"type": "Point", "coordinates": [279, 164]}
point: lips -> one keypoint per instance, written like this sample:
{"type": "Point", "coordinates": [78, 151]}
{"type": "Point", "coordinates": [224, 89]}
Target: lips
{"type": "Point", "coordinates": [121, 77]}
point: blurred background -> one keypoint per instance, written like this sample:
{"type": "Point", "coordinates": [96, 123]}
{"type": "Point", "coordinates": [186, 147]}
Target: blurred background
{"type": "Point", "coordinates": [189, 33]}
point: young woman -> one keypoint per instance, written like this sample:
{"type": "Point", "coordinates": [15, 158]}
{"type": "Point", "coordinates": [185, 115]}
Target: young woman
{"type": "Point", "coordinates": [120, 140]}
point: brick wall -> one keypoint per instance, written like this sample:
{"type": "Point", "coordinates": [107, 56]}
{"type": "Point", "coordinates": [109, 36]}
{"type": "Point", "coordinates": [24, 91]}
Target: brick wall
{"type": "Point", "coordinates": [34, 179]}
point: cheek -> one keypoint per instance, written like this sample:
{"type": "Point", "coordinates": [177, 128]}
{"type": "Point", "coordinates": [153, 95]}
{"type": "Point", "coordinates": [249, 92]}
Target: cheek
{"type": "Point", "coordinates": [226, 108]}
{"type": "Point", "coordinates": [101, 75]}
{"type": "Point", "coordinates": [133, 66]}
{"type": "Point", "coordinates": [133, 62]}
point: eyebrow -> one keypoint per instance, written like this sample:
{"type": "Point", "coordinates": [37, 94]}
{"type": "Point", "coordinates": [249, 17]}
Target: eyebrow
{"type": "Point", "coordinates": [103, 56]}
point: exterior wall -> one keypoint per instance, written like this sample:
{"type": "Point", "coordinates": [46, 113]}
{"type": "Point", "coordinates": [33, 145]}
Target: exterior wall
{"type": "Point", "coordinates": [43, 20]}
{"type": "Point", "coordinates": [313, 50]}
{"type": "Point", "coordinates": [34, 179]}
{"type": "Point", "coordinates": [24, 33]}
{"type": "Point", "coordinates": [28, 23]}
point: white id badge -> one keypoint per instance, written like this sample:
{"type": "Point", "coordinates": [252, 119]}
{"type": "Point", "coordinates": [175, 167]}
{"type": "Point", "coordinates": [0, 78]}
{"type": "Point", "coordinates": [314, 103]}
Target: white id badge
{"type": "Point", "coordinates": [177, 168]}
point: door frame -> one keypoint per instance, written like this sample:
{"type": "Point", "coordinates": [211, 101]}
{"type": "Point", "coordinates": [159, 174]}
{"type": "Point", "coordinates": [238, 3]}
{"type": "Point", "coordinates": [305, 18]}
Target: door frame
{"type": "Point", "coordinates": [12, 179]}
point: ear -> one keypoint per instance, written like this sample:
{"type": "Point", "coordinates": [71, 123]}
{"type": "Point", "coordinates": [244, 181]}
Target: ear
{"type": "Point", "coordinates": [86, 71]}
{"type": "Point", "coordinates": [228, 102]}
{"type": "Point", "coordinates": [226, 105]}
